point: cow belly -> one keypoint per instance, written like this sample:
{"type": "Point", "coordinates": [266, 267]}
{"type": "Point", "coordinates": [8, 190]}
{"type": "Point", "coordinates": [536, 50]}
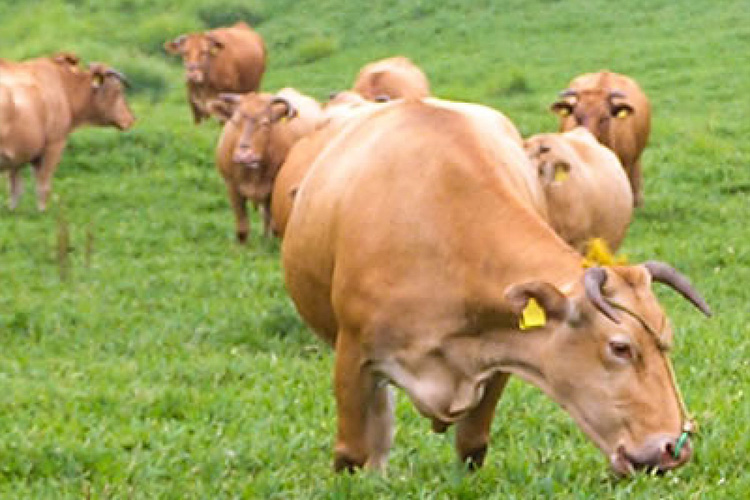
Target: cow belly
{"type": "Point", "coordinates": [435, 389]}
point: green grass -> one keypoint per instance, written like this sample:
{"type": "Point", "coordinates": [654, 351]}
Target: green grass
{"type": "Point", "coordinates": [170, 362]}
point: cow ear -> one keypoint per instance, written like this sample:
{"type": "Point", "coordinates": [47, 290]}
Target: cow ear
{"type": "Point", "coordinates": [224, 107]}
{"type": "Point", "coordinates": [67, 58]}
{"type": "Point", "coordinates": [622, 110]}
{"type": "Point", "coordinates": [98, 74]}
{"type": "Point", "coordinates": [215, 45]}
{"type": "Point", "coordinates": [561, 171]}
{"type": "Point", "coordinates": [536, 302]}
{"type": "Point", "coordinates": [562, 108]}
{"type": "Point", "coordinates": [174, 46]}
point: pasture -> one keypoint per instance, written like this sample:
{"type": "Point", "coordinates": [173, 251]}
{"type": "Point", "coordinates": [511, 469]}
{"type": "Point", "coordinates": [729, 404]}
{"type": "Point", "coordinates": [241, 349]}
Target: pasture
{"type": "Point", "coordinates": [144, 354]}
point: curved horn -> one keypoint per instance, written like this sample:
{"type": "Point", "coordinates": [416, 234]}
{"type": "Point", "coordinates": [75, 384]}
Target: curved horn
{"type": "Point", "coordinates": [568, 93]}
{"type": "Point", "coordinates": [593, 281]}
{"type": "Point", "coordinates": [291, 111]}
{"type": "Point", "coordinates": [118, 75]}
{"type": "Point", "coordinates": [664, 273]}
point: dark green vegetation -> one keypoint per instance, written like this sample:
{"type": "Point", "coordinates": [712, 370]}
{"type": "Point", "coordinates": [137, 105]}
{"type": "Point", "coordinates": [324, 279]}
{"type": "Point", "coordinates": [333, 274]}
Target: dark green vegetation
{"type": "Point", "coordinates": [154, 358]}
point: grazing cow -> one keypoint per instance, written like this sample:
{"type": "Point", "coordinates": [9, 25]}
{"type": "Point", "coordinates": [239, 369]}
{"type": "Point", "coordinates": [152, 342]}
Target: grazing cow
{"type": "Point", "coordinates": [412, 251]}
{"type": "Point", "coordinates": [41, 102]}
{"type": "Point", "coordinates": [260, 131]}
{"type": "Point", "coordinates": [392, 78]}
{"type": "Point", "coordinates": [587, 192]}
{"type": "Point", "coordinates": [614, 108]}
{"type": "Point", "coordinates": [338, 112]}
{"type": "Point", "coordinates": [223, 60]}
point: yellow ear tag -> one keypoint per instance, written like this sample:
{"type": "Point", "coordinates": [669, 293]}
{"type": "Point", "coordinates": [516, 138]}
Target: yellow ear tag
{"type": "Point", "coordinates": [564, 112]}
{"type": "Point", "coordinates": [599, 254]}
{"type": "Point", "coordinates": [623, 113]}
{"type": "Point", "coordinates": [561, 174]}
{"type": "Point", "coordinates": [533, 316]}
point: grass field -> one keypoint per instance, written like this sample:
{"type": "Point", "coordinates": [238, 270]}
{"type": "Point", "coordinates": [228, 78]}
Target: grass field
{"type": "Point", "coordinates": [158, 359]}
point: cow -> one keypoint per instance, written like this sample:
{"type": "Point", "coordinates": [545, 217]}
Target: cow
{"type": "Point", "coordinates": [260, 130]}
{"type": "Point", "coordinates": [343, 108]}
{"type": "Point", "coordinates": [222, 60]}
{"type": "Point", "coordinates": [391, 78]}
{"type": "Point", "coordinates": [340, 112]}
{"type": "Point", "coordinates": [42, 101]}
{"type": "Point", "coordinates": [615, 109]}
{"type": "Point", "coordinates": [585, 187]}
{"type": "Point", "coordinates": [413, 251]}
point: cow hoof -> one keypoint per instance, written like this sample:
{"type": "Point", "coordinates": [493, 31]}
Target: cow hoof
{"type": "Point", "coordinates": [475, 458]}
{"type": "Point", "coordinates": [343, 463]}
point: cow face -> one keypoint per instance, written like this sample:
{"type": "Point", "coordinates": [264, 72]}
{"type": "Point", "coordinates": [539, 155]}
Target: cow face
{"type": "Point", "coordinates": [108, 104]}
{"type": "Point", "coordinates": [607, 364]}
{"type": "Point", "coordinates": [594, 109]}
{"type": "Point", "coordinates": [198, 51]}
{"type": "Point", "coordinates": [254, 116]}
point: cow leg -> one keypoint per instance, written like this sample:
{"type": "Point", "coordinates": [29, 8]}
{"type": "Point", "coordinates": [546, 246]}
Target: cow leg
{"type": "Point", "coordinates": [636, 182]}
{"type": "Point", "coordinates": [15, 187]}
{"type": "Point", "coordinates": [44, 169]}
{"type": "Point", "coordinates": [364, 411]}
{"type": "Point", "coordinates": [239, 207]}
{"type": "Point", "coordinates": [473, 431]}
{"type": "Point", "coordinates": [265, 213]}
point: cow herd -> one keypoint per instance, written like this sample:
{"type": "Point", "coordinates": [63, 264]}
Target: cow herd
{"type": "Point", "coordinates": [425, 240]}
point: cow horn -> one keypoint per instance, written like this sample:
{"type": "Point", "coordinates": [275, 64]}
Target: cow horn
{"type": "Point", "coordinates": [664, 273]}
{"type": "Point", "coordinates": [593, 281]}
{"type": "Point", "coordinates": [291, 111]}
{"type": "Point", "coordinates": [568, 93]}
{"type": "Point", "coordinates": [119, 76]}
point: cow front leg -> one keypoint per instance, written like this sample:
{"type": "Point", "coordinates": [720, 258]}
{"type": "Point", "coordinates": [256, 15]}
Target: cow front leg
{"type": "Point", "coordinates": [15, 187]}
{"type": "Point", "coordinates": [473, 431]}
{"type": "Point", "coordinates": [239, 207]}
{"type": "Point", "coordinates": [636, 183]}
{"type": "Point", "coordinates": [265, 213]}
{"type": "Point", "coordinates": [364, 412]}
{"type": "Point", "coordinates": [44, 169]}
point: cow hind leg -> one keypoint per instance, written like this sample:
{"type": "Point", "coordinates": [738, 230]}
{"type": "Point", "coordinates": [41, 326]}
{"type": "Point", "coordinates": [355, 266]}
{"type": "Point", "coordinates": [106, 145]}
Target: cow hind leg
{"type": "Point", "coordinates": [636, 183]}
{"type": "Point", "coordinates": [473, 431]}
{"type": "Point", "coordinates": [364, 411]}
{"type": "Point", "coordinates": [44, 169]}
{"type": "Point", "coordinates": [15, 187]}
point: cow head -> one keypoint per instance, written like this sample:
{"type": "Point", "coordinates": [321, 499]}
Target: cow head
{"type": "Point", "coordinates": [606, 362]}
{"type": "Point", "coordinates": [108, 106]}
{"type": "Point", "coordinates": [198, 51]}
{"type": "Point", "coordinates": [594, 109]}
{"type": "Point", "coordinates": [254, 115]}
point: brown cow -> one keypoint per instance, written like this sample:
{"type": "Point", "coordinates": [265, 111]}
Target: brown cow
{"type": "Point", "coordinates": [338, 112]}
{"type": "Point", "coordinates": [346, 108]}
{"type": "Point", "coordinates": [41, 102]}
{"type": "Point", "coordinates": [586, 189]}
{"type": "Point", "coordinates": [223, 60]}
{"type": "Point", "coordinates": [392, 78]}
{"type": "Point", "coordinates": [614, 108]}
{"type": "Point", "coordinates": [412, 251]}
{"type": "Point", "coordinates": [260, 131]}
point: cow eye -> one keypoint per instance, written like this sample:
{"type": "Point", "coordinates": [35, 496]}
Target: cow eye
{"type": "Point", "coordinates": [621, 349]}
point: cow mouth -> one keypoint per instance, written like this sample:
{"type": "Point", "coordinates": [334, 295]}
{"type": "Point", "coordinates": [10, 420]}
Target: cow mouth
{"type": "Point", "coordinates": [657, 460]}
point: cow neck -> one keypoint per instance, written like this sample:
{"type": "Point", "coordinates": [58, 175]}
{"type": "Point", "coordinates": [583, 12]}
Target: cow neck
{"type": "Point", "coordinates": [79, 92]}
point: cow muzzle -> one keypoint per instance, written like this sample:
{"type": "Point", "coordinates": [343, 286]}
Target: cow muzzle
{"type": "Point", "coordinates": [660, 454]}
{"type": "Point", "coordinates": [247, 159]}
{"type": "Point", "coordinates": [194, 75]}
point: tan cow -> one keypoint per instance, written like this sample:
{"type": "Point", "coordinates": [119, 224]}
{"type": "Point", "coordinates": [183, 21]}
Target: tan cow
{"type": "Point", "coordinates": [587, 192]}
{"type": "Point", "coordinates": [413, 252]}
{"type": "Point", "coordinates": [392, 78]}
{"type": "Point", "coordinates": [223, 60]}
{"type": "Point", "coordinates": [41, 102]}
{"type": "Point", "coordinates": [347, 108]}
{"type": "Point", "coordinates": [615, 109]}
{"type": "Point", "coordinates": [260, 131]}
{"type": "Point", "coordinates": [340, 111]}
